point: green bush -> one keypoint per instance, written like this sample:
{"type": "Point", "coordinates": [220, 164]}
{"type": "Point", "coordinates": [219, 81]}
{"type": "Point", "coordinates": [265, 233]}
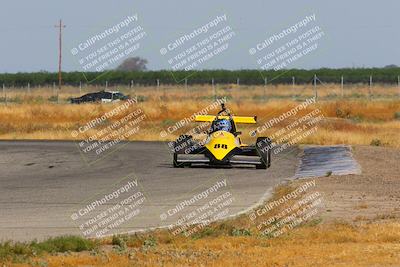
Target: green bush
{"type": "Point", "coordinates": [64, 244]}
{"type": "Point", "coordinates": [168, 122]}
{"type": "Point", "coordinates": [54, 99]}
{"type": "Point", "coordinates": [204, 233]}
{"type": "Point", "coordinates": [149, 243]}
{"type": "Point", "coordinates": [376, 142]}
{"type": "Point", "coordinates": [241, 232]}
{"type": "Point", "coordinates": [21, 251]}
{"type": "Point", "coordinates": [344, 114]}
{"type": "Point", "coordinates": [357, 119]}
{"type": "Point", "coordinates": [141, 98]}
{"type": "Point", "coordinates": [10, 250]}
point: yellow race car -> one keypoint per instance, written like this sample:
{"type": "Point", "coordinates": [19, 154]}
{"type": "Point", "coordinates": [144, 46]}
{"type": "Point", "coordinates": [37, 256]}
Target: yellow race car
{"type": "Point", "coordinates": [222, 146]}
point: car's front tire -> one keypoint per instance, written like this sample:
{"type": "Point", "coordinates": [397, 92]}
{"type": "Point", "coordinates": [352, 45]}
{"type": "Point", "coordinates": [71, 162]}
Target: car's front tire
{"type": "Point", "coordinates": [179, 147]}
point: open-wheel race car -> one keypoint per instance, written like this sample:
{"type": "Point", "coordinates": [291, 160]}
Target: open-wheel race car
{"type": "Point", "coordinates": [222, 146]}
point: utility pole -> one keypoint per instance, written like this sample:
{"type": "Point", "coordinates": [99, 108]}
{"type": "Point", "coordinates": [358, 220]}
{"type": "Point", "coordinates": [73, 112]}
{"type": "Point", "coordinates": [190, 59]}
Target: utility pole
{"type": "Point", "coordinates": [60, 26]}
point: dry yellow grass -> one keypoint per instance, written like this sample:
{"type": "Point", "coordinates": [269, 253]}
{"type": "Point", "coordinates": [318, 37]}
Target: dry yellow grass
{"type": "Point", "coordinates": [239, 93]}
{"type": "Point", "coordinates": [333, 245]}
{"type": "Point", "coordinates": [350, 121]}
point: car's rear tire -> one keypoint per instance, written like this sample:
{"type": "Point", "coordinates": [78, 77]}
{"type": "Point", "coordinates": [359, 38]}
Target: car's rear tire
{"type": "Point", "coordinates": [263, 147]}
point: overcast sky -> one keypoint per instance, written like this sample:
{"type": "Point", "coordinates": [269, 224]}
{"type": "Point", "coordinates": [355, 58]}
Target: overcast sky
{"type": "Point", "coordinates": [357, 33]}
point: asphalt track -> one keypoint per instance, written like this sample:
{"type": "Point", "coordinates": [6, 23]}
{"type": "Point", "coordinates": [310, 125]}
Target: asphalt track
{"type": "Point", "coordinates": [43, 183]}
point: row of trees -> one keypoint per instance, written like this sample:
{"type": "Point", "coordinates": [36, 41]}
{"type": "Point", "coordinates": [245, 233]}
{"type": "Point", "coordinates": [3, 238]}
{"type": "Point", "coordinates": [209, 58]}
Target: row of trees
{"type": "Point", "coordinates": [253, 77]}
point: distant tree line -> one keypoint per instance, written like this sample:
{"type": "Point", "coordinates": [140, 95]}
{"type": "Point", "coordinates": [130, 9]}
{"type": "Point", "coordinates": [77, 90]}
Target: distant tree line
{"type": "Point", "coordinates": [249, 77]}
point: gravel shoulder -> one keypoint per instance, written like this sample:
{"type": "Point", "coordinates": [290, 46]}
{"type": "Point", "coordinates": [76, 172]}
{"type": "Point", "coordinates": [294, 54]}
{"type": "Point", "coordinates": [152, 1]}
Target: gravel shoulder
{"type": "Point", "coordinates": [372, 196]}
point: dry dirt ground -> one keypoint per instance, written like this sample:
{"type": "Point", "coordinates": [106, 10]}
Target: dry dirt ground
{"type": "Point", "coordinates": [373, 195]}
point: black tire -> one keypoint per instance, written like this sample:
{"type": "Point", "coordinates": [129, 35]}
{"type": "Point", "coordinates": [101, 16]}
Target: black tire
{"type": "Point", "coordinates": [179, 147]}
{"type": "Point", "coordinates": [263, 147]}
{"type": "Point", "coordinates": [175, 162]}
{"type": "Point", "coordinates": [261, 166]}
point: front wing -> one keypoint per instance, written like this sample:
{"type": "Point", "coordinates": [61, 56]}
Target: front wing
{"type": "Point", "coordinates": [238, 156]}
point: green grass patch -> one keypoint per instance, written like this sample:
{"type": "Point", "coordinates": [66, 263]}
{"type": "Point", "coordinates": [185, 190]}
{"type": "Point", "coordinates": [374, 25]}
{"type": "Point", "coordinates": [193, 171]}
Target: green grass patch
{"type": "Point", "coordinates": [241, 232]}
{"type": "Point", "coordinates": [64, 244]}
{"type": "Point", "coordinates": [20, 251]}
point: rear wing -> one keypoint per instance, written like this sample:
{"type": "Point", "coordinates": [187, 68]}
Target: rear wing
{"type": "Point", "coordinates": [236, 119]}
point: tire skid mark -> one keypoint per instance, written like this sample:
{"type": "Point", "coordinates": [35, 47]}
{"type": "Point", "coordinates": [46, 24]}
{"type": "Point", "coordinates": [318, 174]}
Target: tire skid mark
{"type": "Point", "coordinates": [318, 161]}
